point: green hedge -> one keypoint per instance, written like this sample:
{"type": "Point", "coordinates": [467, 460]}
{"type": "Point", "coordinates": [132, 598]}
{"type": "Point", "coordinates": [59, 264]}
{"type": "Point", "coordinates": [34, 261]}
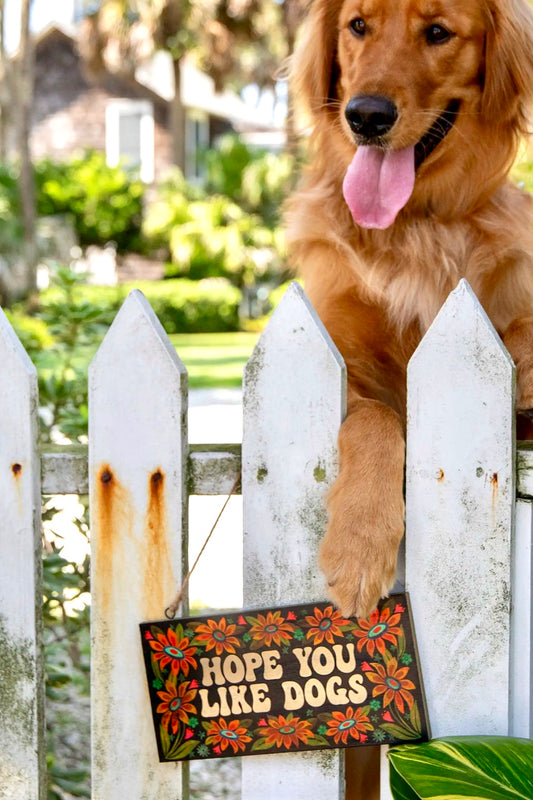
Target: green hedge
{"type": "Point", "coordinates": [182, 306]}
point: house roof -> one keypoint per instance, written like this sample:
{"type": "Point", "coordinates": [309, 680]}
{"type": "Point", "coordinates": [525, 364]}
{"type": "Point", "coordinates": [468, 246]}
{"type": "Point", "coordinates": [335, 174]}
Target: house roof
{"type": "Point", "coordinates": [197, 91]}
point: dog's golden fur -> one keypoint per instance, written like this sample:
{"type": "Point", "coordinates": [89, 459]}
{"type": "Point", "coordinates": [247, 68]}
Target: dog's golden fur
{"type": "Point", "coordinates": [377, 291]}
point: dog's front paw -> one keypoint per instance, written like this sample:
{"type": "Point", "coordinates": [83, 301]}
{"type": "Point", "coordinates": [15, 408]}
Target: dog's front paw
{"type": "Point", "coordinates": [358, 557]}
{"type": "Point", "coordinates": [366, 509]}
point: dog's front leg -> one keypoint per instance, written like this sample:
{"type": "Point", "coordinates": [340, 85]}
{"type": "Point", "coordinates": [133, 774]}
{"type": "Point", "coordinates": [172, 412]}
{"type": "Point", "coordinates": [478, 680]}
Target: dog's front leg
{"type": "Point", "coordinates": [366, 508]}
{"type": "Point", "coordinates": [518, 339]}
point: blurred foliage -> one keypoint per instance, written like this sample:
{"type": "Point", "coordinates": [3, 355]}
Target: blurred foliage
{"type": "Point", "coordinates": [11, 227]}
{"type": "Point", "coordinates": [257, 180]}
{"type": "Point", "coordinates": [182, 306]}
{"type": "Point", "coordinates": [105, 203]}
{"type": "Point", "coordinates": [230, 230]}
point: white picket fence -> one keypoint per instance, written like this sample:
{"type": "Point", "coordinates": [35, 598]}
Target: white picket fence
{"type": "Point", "coordinates": [468, 552]}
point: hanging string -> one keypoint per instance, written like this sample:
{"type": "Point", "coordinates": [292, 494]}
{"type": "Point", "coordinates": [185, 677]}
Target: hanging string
{"type": "Point", "coordinates": [170, 610]}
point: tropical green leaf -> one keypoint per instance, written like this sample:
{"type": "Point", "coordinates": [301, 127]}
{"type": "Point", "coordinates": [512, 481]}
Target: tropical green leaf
{"type": "Point", "coordinates": [400, 788]}
{"type": "Point", "coordinates": [459, 767]}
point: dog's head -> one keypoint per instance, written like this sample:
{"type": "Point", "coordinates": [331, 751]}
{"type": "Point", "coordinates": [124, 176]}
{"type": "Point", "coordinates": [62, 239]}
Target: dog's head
{"type": "Point", "coordinates": [432, 78]}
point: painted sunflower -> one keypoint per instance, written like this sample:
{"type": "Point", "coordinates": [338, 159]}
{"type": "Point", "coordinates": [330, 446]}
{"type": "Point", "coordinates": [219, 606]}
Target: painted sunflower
{"type": "Point", "coordinates": [286, 731]}
{"type": "Point", "coordinates": [176, 704]}
{"type": "Point", "coordinates": [325, 625]}
{"type": "Point", "coordinates": [353, 724]}
{"type": "Point", "coordinates": [228, 734]}
{"type": "Point", "coordinates": [378, 629]}
{"type": "Point", "coordinates": [270, 628]}
{"type": "Point", "coordinates": [218, 636]}
{"type": "Point", "coordinates": [392, 683]}
{"type": "Point", "coordinates": [173, 650]}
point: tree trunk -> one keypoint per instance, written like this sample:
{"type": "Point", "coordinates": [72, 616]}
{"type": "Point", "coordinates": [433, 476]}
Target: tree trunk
{"type": "Point", "coordinates": [4, 86]}
{"type": "Point", "coordinates": [177, 119]}
{"type": "Point", "coordinates": [27, 179]}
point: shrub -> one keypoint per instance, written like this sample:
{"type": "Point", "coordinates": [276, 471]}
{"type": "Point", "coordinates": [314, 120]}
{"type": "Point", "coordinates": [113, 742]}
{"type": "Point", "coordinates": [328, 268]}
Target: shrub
{"type": "Point", "coordinates": [11, 229]}
{"type": "Point", "coordinates": [104, 202]}
{"type": "Point", "coordinates": [182, 306]}
{"type": "Point", "coordinates": [32, 331]}
{"type": "Point", "coordinates": [231, 230]}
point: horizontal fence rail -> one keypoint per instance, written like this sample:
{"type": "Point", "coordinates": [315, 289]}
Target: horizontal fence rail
{"type": "Point", "coordinates": [212, 469]}
{"type": "Point", "coordinates": [469, 533]}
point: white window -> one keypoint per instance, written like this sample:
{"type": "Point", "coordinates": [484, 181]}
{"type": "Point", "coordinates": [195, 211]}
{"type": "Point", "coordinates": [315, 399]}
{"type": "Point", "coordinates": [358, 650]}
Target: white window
{"type": "Point", "coordinates": [196, 141]}
{"type": "Point", "coordinates": [130, 136]}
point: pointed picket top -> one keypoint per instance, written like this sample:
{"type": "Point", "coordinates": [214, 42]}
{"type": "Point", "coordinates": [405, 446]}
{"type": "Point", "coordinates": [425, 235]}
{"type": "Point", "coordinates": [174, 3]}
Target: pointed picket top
{"type": "Point", "coordinates": [13, 352]}
{"type": "Point", "coordinates": [295, 313]}
{"type": "Point", "coordinates": [137, 471]}
{"type": "Point", "coordinates": [22, 740]}
{"type": "Point", "coordinates": [136, 316]}
{"type": "Point", "coordinates": [462, 321]}
{"type": "Point", "coordinates": [294, 402]}
{"type": "Point", "coordinates": [460, 494]}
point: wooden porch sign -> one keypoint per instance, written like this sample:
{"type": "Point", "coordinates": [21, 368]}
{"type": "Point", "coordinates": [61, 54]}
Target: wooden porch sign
{"type": "Point", "coordinates": [283, 679]}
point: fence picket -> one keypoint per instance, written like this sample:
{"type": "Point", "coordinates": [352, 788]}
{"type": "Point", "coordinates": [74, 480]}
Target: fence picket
{"type": "Point", "coordinates": [460, 496]}
{"type": "Point", "coordinates": [22, 745]}
{"type": "Point", "coordinates": [294, 401]}
{"type": "Point", "coordinates": [137, 457]}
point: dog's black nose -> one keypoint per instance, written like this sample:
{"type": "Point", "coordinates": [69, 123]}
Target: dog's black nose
{"type": "Point", "coordinates": [370, 116]}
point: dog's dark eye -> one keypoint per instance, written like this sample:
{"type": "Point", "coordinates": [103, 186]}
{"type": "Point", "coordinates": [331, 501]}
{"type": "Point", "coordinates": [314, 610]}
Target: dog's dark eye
{"type": "Point", "coordinates": [358, 26]}
{"type": "Point", "coordinates": [437, 34]}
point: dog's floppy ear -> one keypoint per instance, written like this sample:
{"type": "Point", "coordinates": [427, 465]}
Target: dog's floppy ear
{"type": "Point", "coordinates": [508, 83]}
{"type": "Point", "coordinates": [313, 69]}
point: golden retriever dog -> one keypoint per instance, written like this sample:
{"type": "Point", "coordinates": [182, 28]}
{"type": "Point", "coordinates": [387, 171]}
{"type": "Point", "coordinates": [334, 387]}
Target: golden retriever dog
{"type": "Point", "coordinates": [417, 108]}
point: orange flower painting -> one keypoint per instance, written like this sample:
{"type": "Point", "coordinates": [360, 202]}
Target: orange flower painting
{"type": "Point", "coordinates": [217, 636]}
{"type": "Point", "coordinates": [286, 731]}
{"type": "Point", "coordinates": [380, 629]}
{"type": "Point", "coordinates": [392, 683]}
{"type": "Point", "coordinates": [270, 629]}
{"type": "Point", "coordinates": [325, 625]}
{"type": "Point", "coordinates": [171, 650]}
{"type": "Point", "coordinates": [228, 734]}
{"type": "Point", "coordinates": [176, 704]}
{"type": "Point", "coordinates": [349, 725]}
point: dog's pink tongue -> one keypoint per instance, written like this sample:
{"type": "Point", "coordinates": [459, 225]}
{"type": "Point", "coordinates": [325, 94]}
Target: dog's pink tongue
{"type": "Point", "coordinates": [378, 183]}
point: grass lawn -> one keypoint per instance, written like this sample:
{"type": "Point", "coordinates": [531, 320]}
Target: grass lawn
{"type": "Point", "coordinates": [212, 359]}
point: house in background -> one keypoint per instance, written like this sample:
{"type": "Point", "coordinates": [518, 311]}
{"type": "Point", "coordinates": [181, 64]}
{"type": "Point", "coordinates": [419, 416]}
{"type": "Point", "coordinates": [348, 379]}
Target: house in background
{"type": "Point", "coordinates": [129, 119]}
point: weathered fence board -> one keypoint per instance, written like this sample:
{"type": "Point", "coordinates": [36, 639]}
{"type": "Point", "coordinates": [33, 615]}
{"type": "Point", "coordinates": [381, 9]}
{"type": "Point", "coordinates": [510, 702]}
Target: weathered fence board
{"type": "Point", "coordinates": [460, 496]}
{"type": "Point", "coordinates": [294, 401]}
{"type": "Point", "coordinates": [137, 455]}
{"type": "Point", "coordinates": [22, 747]}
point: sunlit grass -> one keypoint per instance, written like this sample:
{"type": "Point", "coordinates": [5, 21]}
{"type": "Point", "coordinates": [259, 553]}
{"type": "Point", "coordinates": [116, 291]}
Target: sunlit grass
{"type": "Point", "coordinates": [214, 359]}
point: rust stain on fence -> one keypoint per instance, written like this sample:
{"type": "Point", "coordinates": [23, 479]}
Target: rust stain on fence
{"type": "Point", "coordinates": [495, 487]}
{"type": "Point", "coordinates": [112, 512]}
{"type": "Point", "coordinates": [158, 568]}
{"type": "Point", "coordinates": [16, 469]}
